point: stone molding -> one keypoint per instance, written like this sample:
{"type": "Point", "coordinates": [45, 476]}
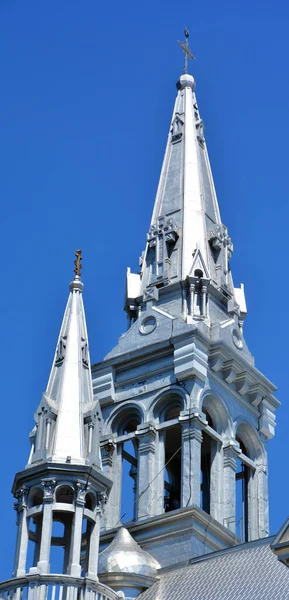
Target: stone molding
{"type": "Point", "coordinates": [190, 360]}
{"type": "Point", "coordinates": [146, 435]}
{"type": "Point", "coordinates": [103, 386]}
{"type": "Point", "coordinates": [107, 448]}
{"type": "Point", "coordinates": [191, 432]}
{"type": "Point", "coordinates": [243, 382]}
{"type": "Point", "coordinates": [230, 370]}
{"type": "Point", "coordinates": [267, 421]}
{"type": "Point", "coordinates": [231, 452]}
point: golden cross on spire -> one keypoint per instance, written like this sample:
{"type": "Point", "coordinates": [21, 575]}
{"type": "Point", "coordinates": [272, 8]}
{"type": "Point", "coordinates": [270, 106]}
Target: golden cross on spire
{"type": "Point", "coordinates": [186, 49]}
{"type": "Point", "coordinates": [77, 262]}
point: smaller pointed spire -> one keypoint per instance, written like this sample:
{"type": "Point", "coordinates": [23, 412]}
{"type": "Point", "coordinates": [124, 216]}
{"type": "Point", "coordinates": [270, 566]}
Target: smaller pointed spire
{"type": "Point", "coordinates": [67, 417]}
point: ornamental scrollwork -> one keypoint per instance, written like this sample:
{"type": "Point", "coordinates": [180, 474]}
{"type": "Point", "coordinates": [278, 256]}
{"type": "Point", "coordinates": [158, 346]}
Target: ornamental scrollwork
{"type": "Point", "coordinates": [48, 489]}
{"type": "Point", "coordinates": [80, 492]}
{"type": "Point", "coordinates": [101, 501]}
{"type": "Point", "coordinates": [218, 237]}
{"type": "Point", "coordinates": [22, 498]}
{"type": "Point", "coordinates": [60, 351]}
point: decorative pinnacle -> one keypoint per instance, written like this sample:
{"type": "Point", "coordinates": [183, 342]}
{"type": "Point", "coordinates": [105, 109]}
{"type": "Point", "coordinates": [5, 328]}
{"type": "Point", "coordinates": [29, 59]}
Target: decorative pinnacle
{"type": "Point", "coordinates": [186, 49]}
{"type": "Point", "coordinates": [77, 262]}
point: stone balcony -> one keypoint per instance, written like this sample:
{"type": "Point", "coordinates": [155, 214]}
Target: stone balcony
{"type": "Point", "coordinates": [55, 587]}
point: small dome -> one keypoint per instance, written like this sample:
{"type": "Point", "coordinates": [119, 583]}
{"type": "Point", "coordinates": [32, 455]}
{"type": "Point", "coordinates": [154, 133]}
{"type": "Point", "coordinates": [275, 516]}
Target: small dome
{"type": "Point", "coordinates": [186, 80]}
{"type": "Point", "coordinates": [124, 555]}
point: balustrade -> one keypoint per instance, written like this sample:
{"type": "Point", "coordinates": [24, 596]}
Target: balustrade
{"type": "Point", "coordinates": [55, 587]}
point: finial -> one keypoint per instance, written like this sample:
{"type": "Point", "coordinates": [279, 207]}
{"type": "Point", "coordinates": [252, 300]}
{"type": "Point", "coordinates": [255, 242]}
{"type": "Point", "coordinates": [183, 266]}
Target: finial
{"type": "Point", "coordinates": [186, 49]}
{"type": "Point", "coordinates": [77, 262]}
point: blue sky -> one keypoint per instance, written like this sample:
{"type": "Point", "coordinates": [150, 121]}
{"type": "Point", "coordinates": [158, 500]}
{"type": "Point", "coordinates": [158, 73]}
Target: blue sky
{"type": "Point", "coordinates": [87, 91]}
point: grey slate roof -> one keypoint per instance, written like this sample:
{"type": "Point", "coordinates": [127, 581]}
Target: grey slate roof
{"type": "Point", "coordinates": [246, 572]}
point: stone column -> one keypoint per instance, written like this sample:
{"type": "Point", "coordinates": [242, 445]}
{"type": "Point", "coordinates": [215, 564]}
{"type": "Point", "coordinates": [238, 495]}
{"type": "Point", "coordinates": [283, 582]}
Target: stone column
{"type": "Point", "coordinates": [47, 434]}
{"type": "Point", "coordinates": [216, 481]}
{"type": "Point", "coordinates": [94, 538]}
{"type": "Point", "coordinates": [184, 302]}
{"type": "Point", "coordinates": [76, 534]}
{"type": "Point", "coordinates": [252, 487]}
{"type": "Point", "coordinates": [111, 456]}
{"type": "Point", "coordinates": [192, 299]}
{"type": "Point", "coordinates": [229, 490]}
{"type": "Point", "coordinates": [158, 500]}
{"type": "Point", "coordinates": [90, 437]}
{"type": "Point", "coordinates": [67, 540]}
{"type": "Point", "coordinates": [191, 460]}
{"type": "Point", "coordinates": [45, 544]}
{"type": "Point", "coordinates": [22, 533]}
{"type": "Point", "coordinates": [204, 299]}
{"type": "Point", "coordinates": [37, 541]}
{"type": "Point", "coordinates": [147, 488]}
{"type": "Point", "coordinates": [93, 550]}
{"type": "Point", "coordinates": [262, 500]}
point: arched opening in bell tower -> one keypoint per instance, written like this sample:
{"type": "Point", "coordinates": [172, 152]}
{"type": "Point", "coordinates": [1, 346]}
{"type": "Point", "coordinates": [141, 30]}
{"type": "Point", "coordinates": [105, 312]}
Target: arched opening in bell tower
{"type": "Point", "coordinates": [128, 448]}
{"type": "Point", "coordinates": [61, 534]}
{"type": "Point", "coordinates": [35, 501]}
{"type": "Point", "coordinates": [172, 455]}
{"type": "Point", "coordinates": [242, 482]}
{"type": "Point", "coordinates": [59, 542]}
{"type": "Point", "coordinates": [207, 452]}
{"type": "Point", "coordinates": [172, 485]}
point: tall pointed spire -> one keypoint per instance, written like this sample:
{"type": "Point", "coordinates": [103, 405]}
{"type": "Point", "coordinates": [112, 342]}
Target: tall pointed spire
{"type": "Point", "coordinates": [66, 419]}
{"type": "Point", "coordinates": [186, 221]}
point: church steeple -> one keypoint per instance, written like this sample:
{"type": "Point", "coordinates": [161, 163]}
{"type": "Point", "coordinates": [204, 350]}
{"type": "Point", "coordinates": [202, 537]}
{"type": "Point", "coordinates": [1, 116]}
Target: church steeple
{"type": "Point", "coordinates": [188, 248]}
{"type": "Point", "coordinates": [183, 403]}
{"type": "Point", "coordinates": [63, 485]}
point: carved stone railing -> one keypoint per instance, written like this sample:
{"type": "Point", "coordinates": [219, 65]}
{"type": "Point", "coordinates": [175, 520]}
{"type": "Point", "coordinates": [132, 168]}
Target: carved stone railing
{"type": "Point", "coordinates": [55, 587]}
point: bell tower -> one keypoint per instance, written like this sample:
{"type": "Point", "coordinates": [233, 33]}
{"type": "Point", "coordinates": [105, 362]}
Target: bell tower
{"type": "Point", "coordinates": [61, 493]}
{"type": "Point", "coordinates": [183, 404]}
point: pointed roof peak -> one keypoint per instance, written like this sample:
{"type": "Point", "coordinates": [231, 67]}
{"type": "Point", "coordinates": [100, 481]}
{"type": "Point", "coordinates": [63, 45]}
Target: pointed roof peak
{"type": "Point", "coordinates": [67, 405]}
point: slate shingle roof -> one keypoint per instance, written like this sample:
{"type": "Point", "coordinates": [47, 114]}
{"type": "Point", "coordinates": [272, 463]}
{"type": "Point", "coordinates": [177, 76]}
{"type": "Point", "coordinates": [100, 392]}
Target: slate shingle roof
{"type": "Point", "coordinates": [246, 572]}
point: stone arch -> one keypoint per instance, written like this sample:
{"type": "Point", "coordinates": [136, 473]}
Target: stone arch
{"type": "Point", "coordinates": [129, 414]}
{"type": "Point", "coordinates": [90, 501]}
{"type": "Point", "coordinates": [166, 407]}
{"type": "Point", "coordinates": [35, 497]}
{"type": "Point", "coordinates": [214, 405]}
{"type": "Point", "coordinates": [246, 433]}
{"type": "Point", "coordinates": [64, 493]}
{"type": "Point", "coordinates": [167, 400]}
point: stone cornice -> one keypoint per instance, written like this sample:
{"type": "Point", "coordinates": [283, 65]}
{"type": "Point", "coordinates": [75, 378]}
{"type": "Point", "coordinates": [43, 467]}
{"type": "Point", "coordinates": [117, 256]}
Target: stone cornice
{"type": "Point", "coordinates": [176, 523]}
{"type": "Point", "coordinates": [61, 472]}
{"type": "Point", "coordinates": [224, 352]}
{"type": "Point", "coordinates": [249, 383]}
